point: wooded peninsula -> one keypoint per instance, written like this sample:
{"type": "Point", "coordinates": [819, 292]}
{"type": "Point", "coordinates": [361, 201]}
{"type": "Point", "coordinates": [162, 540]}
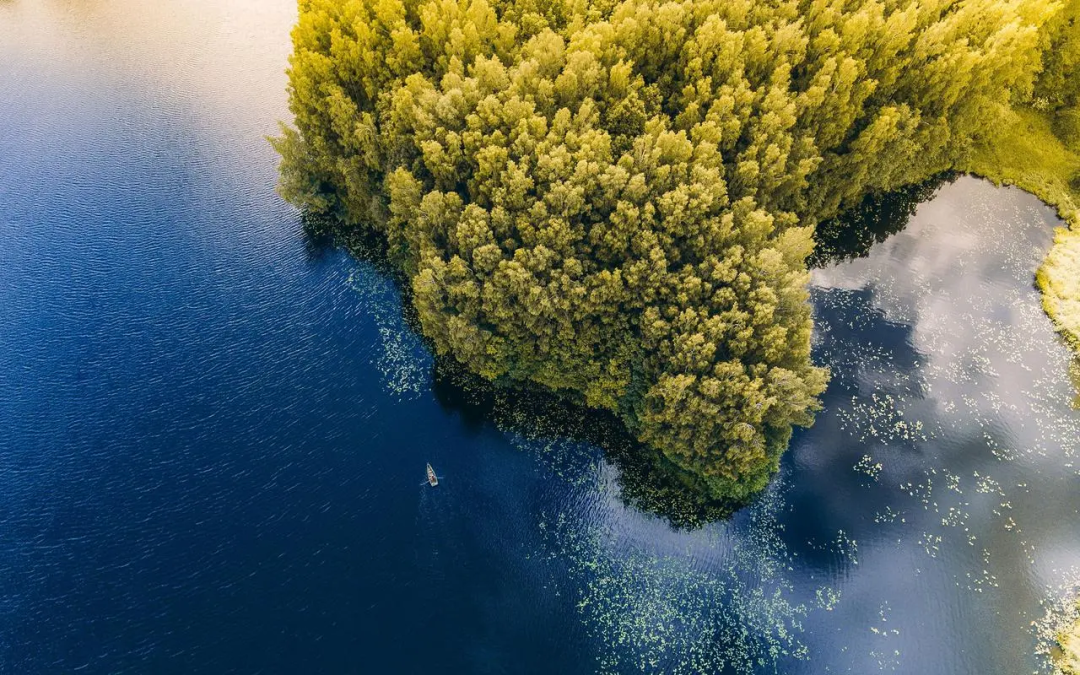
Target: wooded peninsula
{"type": "Point", "coordinates": [615, 199]}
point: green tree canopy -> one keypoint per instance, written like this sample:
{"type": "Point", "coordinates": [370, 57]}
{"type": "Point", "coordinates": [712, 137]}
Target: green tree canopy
{"type": "Point", "coordinates": [616, 199]}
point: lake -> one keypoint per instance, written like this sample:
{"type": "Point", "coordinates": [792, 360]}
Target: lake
{"type": "Point", "coordinates": [215, 428]}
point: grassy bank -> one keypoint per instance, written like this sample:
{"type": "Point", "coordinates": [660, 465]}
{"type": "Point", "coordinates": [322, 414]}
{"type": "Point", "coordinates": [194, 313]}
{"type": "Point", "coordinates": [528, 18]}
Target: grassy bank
{"type": "Point", "coordinates": [1029, 149]}
{"type": "Point", "coordinates": [1040, 153]}
{"type": "Point", "coordinates": [1067, 658]}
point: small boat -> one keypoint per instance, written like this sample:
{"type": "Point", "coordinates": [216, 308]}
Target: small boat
{"type": "Point", "coordinates": [432, 479]}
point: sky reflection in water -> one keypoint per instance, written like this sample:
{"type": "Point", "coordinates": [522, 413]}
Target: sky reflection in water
{"type": "Point", "coordinates": [216, 429]}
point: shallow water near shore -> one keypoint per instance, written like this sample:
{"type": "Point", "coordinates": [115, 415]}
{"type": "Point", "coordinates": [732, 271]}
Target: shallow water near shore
{"type": "Point", "coordinates": [215, 429]}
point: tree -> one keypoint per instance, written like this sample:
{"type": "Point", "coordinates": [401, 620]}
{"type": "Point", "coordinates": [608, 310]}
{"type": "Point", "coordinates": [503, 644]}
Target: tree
{"type": "Point", "coordinates": [615, 199]}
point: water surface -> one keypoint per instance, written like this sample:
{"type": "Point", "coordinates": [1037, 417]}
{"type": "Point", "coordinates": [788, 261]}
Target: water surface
{"type": "Point", "coordinates": [214, 429]}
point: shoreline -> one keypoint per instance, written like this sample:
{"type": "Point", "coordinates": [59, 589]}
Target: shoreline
{"type": "Point", "coordinates": [1030, 155]}
{"type": "Point", "coordinates": [1067, 653]}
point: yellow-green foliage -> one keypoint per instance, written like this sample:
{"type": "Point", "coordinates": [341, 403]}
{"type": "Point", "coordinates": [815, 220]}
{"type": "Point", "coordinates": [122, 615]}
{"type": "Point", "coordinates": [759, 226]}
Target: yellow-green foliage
{"type": "Point", "coordinates": [1068, 660]}
{"type": "Point", "coordinates": [615, 198]}
{"type": "Point", "coordinates": [1074, 377]}
{"type": "Point", "coordinates": [1038, 149]}
{"type": "Point", "coordinates": [1059, 280]}
{"type": "Point", "coordinates": [1023, 150]}
{"type": "Point", "coordinates": [1059, 276]}
{"type": "Point", "coordinates": [1058, 85]}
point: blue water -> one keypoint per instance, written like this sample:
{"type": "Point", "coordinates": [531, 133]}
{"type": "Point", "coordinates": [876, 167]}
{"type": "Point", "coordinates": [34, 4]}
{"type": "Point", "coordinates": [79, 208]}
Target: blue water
{"type": "Point", "coordinates": [214, 429]}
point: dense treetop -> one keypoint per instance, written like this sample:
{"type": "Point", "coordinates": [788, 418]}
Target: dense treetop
{"type": "Point", "coordinates": [615, 199]}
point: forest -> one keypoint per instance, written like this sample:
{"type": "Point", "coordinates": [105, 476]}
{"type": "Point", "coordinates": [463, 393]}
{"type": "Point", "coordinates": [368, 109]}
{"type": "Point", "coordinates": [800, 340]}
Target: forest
{"type": "Point", "coordinates": [615, 200]}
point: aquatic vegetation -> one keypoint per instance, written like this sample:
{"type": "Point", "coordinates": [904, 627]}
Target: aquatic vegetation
{"type": "Point", "coordinates": [660, 613]}
{"type": "Point", "coordinates": [615, 200]}
{"type": "Point", "coordinates": [1038, 149]}
{"type": "Point", "coordinates": [402, 360]}
{"type": "Point", "coordinates": [1068, 659]}
{"type": "Point", "coordinates": [985, 363]}
{"type": "Point", "coordinates": [959, 346]}
{"type": "Point", "coordinates": [1027, 151]}
{"type": "Point", "coordinates": [868, 466]}
{"type": "Point", "coordinates": [1042, 157]}
{"type": "Point", "coordinates": [555, 430]}
{"type": "Point", "coordinates": [1058, 631]}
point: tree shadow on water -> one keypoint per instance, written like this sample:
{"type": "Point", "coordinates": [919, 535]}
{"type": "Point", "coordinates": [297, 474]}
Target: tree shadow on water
{"type": "Point", "coordinates": [647, 481]}
{"type": "Point", "coordinates": [324, 234]}
{"type": "Point", "coordinates": [877, 217]}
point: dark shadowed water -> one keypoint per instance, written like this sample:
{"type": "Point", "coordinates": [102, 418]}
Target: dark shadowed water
{"type": "Point", "coordinates": [213, 431]}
